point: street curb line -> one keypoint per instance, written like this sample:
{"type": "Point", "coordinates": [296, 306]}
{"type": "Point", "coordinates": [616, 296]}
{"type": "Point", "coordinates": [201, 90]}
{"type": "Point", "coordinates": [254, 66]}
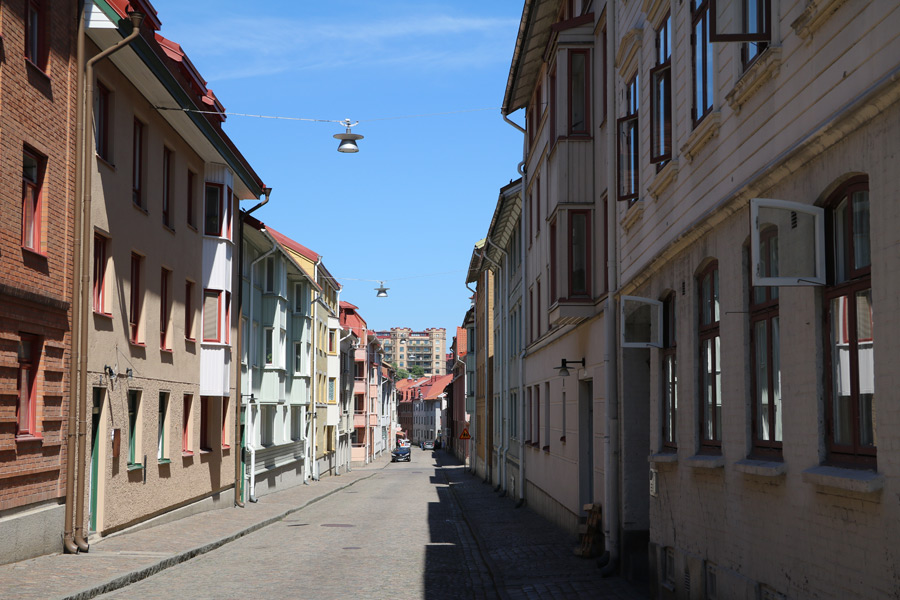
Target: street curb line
{"type": "Point", "coordinates": [135, 576]}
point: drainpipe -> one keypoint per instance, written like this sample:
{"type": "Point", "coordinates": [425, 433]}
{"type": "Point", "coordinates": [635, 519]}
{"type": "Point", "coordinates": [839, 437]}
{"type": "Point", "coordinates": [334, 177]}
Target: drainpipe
{"type": "Point", "coordinates": [314, 466]}
{"type": "Point", "coordinates": [611, 441]}
{"type": "Point", "coordinates": [82, 295]}
{"type": "Point", "coordinates": [521, 396]}
{"type": "Point", "coordinates": [252, 497]}
{"type": "Point", "coordinates": [341, 401]}
{"type": "Point", "coordinates": [68, 535]}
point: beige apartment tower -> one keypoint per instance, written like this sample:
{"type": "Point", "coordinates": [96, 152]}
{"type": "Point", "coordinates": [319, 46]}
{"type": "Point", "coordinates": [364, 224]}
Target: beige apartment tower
{"type": "Point", "coordinates": [407, 348]}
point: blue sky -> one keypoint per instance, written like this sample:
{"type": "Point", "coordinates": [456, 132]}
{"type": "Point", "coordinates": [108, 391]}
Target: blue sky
{"type": "Point", "coordinates": [423, 188]}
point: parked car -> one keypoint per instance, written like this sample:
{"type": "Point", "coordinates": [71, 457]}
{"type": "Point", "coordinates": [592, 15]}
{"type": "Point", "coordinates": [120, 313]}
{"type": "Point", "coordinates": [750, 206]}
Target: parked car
{"type": "Point", "coordinates": [429, 445]}
{"type": "Point", "coordinates": [403, 443]}
{"type": "Point", "coordinates": [401, 454]}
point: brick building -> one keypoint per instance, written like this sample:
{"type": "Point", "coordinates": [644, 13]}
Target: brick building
{"type": "Point", "coordinates": [37, 148]}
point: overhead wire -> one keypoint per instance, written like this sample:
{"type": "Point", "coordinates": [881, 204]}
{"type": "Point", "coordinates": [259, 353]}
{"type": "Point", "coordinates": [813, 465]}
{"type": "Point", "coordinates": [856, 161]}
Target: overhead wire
{"type": "Point", "coordinates": [311, 120]}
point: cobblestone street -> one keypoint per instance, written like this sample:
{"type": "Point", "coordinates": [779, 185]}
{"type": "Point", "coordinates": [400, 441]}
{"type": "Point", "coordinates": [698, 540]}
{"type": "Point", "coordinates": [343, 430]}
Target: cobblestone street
{"type": "Point", "coordinates": [425, 529]}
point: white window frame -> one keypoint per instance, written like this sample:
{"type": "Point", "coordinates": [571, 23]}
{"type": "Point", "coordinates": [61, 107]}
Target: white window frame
{"type": "Point", "coordinates": [656, 330]}
{"type": "Point", "coordinates": [818, 213]}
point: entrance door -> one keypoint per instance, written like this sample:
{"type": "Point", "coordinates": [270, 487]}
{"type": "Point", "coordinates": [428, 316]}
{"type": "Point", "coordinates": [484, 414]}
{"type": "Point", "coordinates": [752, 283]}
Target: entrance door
{"type": "Point", "coordinates": [97, 410]}
{"type": "Point", "coordinates": [585, 442]}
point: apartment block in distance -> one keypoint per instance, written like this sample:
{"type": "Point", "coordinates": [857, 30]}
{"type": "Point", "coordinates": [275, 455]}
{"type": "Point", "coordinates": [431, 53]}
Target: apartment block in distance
{"type": "Point", "coordinates": [406, 348]}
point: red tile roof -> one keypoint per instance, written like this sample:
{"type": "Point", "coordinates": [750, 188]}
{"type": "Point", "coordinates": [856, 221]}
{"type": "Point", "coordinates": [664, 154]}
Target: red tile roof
{"type": "Point", "coordinates": [292, 245]}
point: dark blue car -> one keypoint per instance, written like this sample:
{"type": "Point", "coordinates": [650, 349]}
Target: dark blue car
{"type": "Point", "coordinates": [400, 454]}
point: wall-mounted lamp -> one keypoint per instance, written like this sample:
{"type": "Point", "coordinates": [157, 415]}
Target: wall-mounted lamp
{"type": "Point", "coordinates": [129, 373]}
{"type": "Point", "coordinates": [382, 291]}
{"type": "Point", "coordinates": [563, 370]}
{"type": "Point", "coordinates": [348, 140]}
{"type": "Point", "coordinates": [109, 371]}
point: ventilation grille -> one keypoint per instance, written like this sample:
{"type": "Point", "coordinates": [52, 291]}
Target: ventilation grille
{"type": "Point", "coordinates": [687, 582]}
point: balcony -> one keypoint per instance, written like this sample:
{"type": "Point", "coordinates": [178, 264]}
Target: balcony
{"type": "Point", "coordinates": [359, 418]}
{"type": "Point", "coordinates": [571, 312]}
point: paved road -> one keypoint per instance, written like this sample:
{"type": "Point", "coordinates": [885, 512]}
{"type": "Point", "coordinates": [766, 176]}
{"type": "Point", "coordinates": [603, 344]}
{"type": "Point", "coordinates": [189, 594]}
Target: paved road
{"type": "Point", "coordinates": [425, 529]}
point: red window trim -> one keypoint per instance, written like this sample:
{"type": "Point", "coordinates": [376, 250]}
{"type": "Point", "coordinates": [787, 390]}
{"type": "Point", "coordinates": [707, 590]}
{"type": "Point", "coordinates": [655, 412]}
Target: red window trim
{"type": "Point", "coordinates": [100, 274]}
{"type": "Point", "coordinates": [205, 442]}
{"type": "Point", "coordinates": [225, 422]}
{"type": "Point", "coordinates": [218, 294]}
{"type": "Point", "coordinates": [188, 310]}
{"type": "Point", "coordinates": [135, 305]}
{"type": "Point", "coordinates": [41, 61]}
{"type": "Point", "coordinates": [586, 130]}
{"type": "Point", "coordinates": [137, 164]}
{"type": "Point", "coordinates": [167, 188]}
{"type": "Point", "coordinates": [588, 241]}
{"type": "Point", "coordinates": [187, 402]}
{"type": "Point", "coordinates": [33, 205]}
{"type": "Point", "coordinates": [28, 368]}
{"type": "Point", "coordinates": [191, 217]}
{"type": "Point", "coordinates": [219, 216]}
{"type": "Point", "coordinates": [103, 108]}
{"type": "Point", "coordinates": [164, 280]}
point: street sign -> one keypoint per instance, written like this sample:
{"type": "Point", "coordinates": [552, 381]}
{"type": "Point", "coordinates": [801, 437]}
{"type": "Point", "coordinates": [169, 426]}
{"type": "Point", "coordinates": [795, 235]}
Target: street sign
{"type": "Point", "coordinates": [465, 434]}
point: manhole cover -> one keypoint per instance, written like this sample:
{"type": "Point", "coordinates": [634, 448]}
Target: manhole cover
{"type": "Point", "coordinates": [337, 525]}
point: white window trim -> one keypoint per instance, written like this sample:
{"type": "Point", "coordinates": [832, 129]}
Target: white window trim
{"type": "Point", "coordinates": [818, 213]}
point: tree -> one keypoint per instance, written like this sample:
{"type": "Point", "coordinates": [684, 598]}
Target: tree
{"type": "Point", "coordinates": [417, 371]}
{"type": "Point", "coordinates": [401, 374]}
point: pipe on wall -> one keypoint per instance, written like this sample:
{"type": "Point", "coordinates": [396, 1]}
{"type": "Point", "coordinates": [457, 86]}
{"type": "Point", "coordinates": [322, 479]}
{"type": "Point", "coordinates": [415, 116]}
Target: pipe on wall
{"type": "Point", "coordinates": [81, 279]}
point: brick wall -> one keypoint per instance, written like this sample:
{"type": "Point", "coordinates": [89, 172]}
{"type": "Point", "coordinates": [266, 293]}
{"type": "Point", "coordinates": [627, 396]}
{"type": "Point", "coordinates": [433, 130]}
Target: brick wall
{"type": "Point", "coordinates": [37, 111]}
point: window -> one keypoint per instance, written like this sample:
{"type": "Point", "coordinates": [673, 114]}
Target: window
{"type": "Point", "coordinates": [212, 305]}
{"type": "Point", "coordinates": [295, 423]}
{"type": "Point", "coordinates": [137, 165]}
{"type": "Point", "coordinates": [537, 205]}
{"type": "Point", "coordinates": [224, 437]}
{"type": "Point", "coordinates": [205, 437]}
{"type": "Point", "coordinates": [551, 101]}
{"type": "Point", "coordinates": [765, 352]}
{"type": "Point", "coordinates": [628, 143]}
{"type": "Point", "coordinates": [547, 416]}
{"type": "Point", "coordinates": [213, 210]}
{"type": "Point", "coordinates": [753, 30]}
{"type": "Point", "coordinates": [661, 96]}
{"type": "Point", "coordinates": [710, 361]}
{"type": "Point", "coordinates": [191, 218]}
{"type": "Point", "coordinates": [134, 427]}
{"type": "Point", "coordinates": [35, 35]}
{"type": "Point", "coordinates": [579, 93]}
{"type": "Point", "coordinates": [227, 325]}
{"type": "Point", "coordinates": [26, 410]}
{"type": "Point", "coordinates": [100, 275]}
{"type": "Point", "coordinates": [270, 346]}
{"type": "Point", "coordinates": [669, 376]}
{"type": "Point", "coordinates": [162, 452]}
{"type": "Point", "coordinates": [331, 387]}
{"type": "Point", "coordinates": [579, 254]}
{"type": "Point", "coordinates": [102, 122]}
{"type": "Point", "coordinates": [850, 409]}
{"type": "Point", "coordinates": [702, 60]}
{"type": "Point", "coordinates": [189, 310]}
{"type": "Point", "coordinates": [536, 436]}
{"type": "Point", "coordinates": [300, 298]}
{"type": "Point", "coordinates": [298, 358]}
{"type": "Point", "coordinates": [270, 274]}
{"type": "Point", "coordinates": [136, 303]}
{"type": "Point", "coordinates": [554, 294]}
{"type": "Point", "coordinates": [332, 341]}
{"type": "Point", "coordinates": [167, 188]}
{"type": "Point", "coordinates": [267, 425]}
{"type": "Point", "coordinates": [32, 201]}
{"type": "Point", "coordinates": [164, 305]}
{"type": "Point", "coordinates": [186, 425]}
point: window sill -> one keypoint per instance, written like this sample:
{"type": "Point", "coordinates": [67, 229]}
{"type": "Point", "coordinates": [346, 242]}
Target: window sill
{"type": "Point", "coordinates": [633, 213]}
{"type": "Point", "coordinates": [814, 16]}
{"type": "Point", "coordinates": [34, 67]}
{"type": "Point", "coordinates": [765, 67]}
{"type": "Point", "coordinates": [167, 350]}
{"type": "Point", "coordinates": [163, 461]}
{"type": "Point", "coordinates": [140, 208]}
{"type": "Point", "coordinates": [563, 439]}
{"type": "Point", "coordinates": [169, 228]}
{"type": "Point", "coordinates": [29, 438]}
{"type": "Point", "coordinates": [137, 344]}
{"type": "Point", "coordinates": [104, 315]}
{"type": "Point", "coordinates": [37, 253]}
{"type": "Point", "coordinates": [761, 468]}
{"type": "Point", "coordinates": [663, 458]}
{"type": "Point", "coordinates": [546, 449]}
{"type": "Point", "coordinates": [205, 451]}
{"type": "Point", "coordinates": [187, 454]}
{"type": "Point", "coordinates": [706, 461]}
{"type": "Point", "coordinates": [192, 228]}
{"type": "Point", "coordinates": [664, 178]}
{"type": "Point", "coordinates": [216, 344]}
{"type": "Point", "coordinates": [135, 466]}
{"type": "Point", "coordinates": [706, 130]}
{"type": "Point", "coordinates": [106, 163]}
{"type": "Point", "coordinates": [852, 480]}
{"type": "Point", "coordinates": [191, 340]}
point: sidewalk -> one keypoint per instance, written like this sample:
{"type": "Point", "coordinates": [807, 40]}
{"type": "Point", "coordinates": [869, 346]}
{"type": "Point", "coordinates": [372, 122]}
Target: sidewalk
{"type": "Point", "coordinates": [121, 559]}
